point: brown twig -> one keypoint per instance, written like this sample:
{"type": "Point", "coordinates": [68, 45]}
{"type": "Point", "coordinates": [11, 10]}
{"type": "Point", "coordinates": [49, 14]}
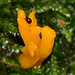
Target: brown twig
{"type": "Point", "coordinates": [12, 64]}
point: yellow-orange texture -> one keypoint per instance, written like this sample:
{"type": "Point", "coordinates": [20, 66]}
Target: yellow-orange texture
{"type": "Point", "coordinates": [36, 49]}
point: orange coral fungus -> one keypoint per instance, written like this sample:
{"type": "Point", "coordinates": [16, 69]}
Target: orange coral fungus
{"type": "Point", "coordinates": [36, 49]}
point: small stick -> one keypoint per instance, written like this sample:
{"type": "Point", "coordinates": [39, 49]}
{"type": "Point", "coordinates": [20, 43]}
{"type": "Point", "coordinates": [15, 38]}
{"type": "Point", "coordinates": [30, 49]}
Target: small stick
{"type": "Point", "coordinates": [12, 64]}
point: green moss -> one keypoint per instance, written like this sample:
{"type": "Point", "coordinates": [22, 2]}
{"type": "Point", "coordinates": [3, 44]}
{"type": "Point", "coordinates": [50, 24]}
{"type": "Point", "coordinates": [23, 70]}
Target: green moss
{"type": "Point", "coordinates": [48, 12]}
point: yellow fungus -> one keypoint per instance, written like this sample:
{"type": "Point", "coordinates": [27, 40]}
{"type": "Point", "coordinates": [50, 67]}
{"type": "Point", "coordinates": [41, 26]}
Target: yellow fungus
{"type": "Point", "coordinates": [36, 49]}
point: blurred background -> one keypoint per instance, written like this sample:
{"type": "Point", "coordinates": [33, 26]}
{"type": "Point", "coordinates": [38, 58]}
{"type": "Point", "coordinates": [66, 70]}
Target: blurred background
{"type": "Point", "coordinates": [58, 15]}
